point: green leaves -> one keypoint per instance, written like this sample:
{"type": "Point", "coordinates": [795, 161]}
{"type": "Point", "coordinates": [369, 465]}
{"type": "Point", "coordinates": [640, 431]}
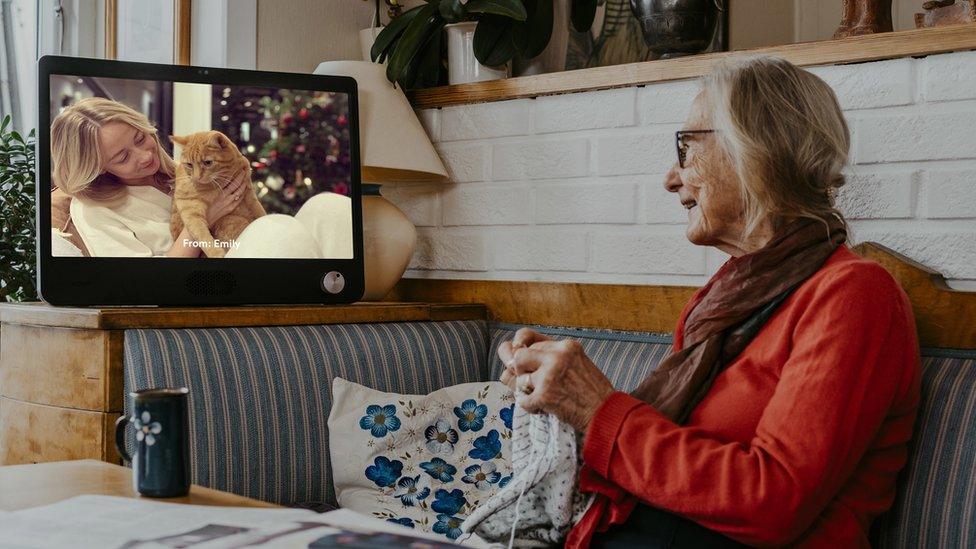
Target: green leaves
{"type": "Point", "coordinates": [513, 9]}
{"type": "Point", "coordinates": [415, 37]}
{"type": "Point", "coordinates": [430, 67]}
{"type": "Point", "coordinates": [17, 243]}
{"type": "Point", "coordinates": [494, 42]}
{"type": "Point", "coordinates": [388, 37]}
{"type": "Point", "coordinates": [532, 35]}
{"type": "Point", "coordinates": [453, 11]}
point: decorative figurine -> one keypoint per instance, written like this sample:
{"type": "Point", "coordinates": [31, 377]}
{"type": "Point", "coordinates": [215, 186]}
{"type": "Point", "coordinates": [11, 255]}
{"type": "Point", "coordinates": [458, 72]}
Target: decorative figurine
{"type": "Point", "coordinates": [940, 13]}
{"type": "Point", "coordinates": [864, 17]}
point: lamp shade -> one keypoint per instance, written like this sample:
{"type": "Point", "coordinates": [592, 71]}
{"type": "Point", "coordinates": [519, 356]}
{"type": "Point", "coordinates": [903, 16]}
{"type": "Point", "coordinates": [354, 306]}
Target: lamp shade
{"type": "Point", "coordinates": [393, 143]}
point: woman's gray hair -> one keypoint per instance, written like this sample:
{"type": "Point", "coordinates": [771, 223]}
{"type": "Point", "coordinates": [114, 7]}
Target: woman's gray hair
{"type": "Point", "coordinates": [785, 135]}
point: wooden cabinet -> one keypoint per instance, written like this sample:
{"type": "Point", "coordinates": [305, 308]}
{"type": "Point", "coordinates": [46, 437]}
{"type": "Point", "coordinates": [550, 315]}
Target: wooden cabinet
{"type": "Point", "coordinates": [61, 386]}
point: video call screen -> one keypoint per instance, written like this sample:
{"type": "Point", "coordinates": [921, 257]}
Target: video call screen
{"type": "Point", "coordinates": [145, 168]}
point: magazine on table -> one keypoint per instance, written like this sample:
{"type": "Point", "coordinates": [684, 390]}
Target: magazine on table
{"type": "Point", "coordinates": [127, 523]}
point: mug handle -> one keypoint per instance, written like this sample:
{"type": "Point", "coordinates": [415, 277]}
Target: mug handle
{"type": "Point", "coordinates": [119, 437]}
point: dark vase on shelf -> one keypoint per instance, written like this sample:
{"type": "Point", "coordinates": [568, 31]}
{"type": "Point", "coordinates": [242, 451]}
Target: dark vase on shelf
{"type": "Point", "coordinates": [673, 28]}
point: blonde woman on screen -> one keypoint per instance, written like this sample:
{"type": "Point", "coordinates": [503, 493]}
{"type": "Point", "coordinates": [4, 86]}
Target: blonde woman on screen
{"type": "Point", "coordinates": [109, 159]}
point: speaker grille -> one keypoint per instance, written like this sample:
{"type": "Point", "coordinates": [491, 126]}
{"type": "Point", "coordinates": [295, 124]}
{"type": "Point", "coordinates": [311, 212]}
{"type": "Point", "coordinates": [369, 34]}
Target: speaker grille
{"type": "Point", "coordinates": [210, 283]}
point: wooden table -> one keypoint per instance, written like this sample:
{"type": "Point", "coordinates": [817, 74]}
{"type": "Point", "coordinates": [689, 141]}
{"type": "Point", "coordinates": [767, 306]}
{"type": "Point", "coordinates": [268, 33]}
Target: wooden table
{"type": "Point", "coordinates": [23, 486]}
{"type": "Point", "coordinates": [61, 386]}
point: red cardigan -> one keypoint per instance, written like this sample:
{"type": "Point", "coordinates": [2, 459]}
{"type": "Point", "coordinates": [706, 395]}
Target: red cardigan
{"type": "Point", "coordinates": [799, 441]}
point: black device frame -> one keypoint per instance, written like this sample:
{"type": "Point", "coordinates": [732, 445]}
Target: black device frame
{"type": "Point", "coordinates": [189, 281]}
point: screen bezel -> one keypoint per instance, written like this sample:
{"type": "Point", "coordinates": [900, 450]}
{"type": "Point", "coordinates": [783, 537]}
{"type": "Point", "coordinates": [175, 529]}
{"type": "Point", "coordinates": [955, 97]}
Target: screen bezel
{"type": "Point", "coordinates": [162, 281]}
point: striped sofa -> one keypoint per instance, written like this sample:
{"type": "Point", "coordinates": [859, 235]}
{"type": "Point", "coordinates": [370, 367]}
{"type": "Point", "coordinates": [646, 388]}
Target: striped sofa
{"type": "Point", "coordinates": [260, 398]}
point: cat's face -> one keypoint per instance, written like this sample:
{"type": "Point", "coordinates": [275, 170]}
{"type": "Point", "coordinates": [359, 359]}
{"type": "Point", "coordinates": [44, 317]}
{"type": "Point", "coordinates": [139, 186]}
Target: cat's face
{"type": "Point", "coordinates": [210, 158]}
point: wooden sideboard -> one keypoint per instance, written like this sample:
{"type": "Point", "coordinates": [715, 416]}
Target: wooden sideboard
{"type": "Point", "coordinates": [61, 386]}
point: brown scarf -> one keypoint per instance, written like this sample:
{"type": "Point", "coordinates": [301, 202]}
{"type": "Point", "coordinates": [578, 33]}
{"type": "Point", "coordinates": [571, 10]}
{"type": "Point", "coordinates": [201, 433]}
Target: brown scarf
{"type": "Point", "coordinates": [737, 301]}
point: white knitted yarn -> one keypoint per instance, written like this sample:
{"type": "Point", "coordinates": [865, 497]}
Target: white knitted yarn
{"type": "Point", "coordinates": [541, 503]}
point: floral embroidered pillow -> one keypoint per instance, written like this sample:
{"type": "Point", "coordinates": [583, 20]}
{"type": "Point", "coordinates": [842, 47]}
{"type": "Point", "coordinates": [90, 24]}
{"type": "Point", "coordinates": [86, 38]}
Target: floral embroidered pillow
{"type": "Point", "coordinates": [421, 461]}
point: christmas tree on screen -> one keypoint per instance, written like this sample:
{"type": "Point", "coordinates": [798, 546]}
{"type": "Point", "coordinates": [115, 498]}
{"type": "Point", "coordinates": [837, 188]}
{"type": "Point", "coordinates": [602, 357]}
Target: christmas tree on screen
{"type": "Point", "coordinates": [297, 142]}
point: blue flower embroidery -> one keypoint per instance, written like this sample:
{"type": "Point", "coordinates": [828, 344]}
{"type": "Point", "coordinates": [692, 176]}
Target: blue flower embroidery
{"type": "Point", "coordinates": [448, 502]}
{"type": "Point", "coordinates": [448, 525]}
{"type": "Point", "coordinates": [506, 415]}
{"type": "Point", "coordinates": [487, 447]}
{"type": "Point", "coordinates": [384, 472]}
{"type": "Point", "coordinates": [471, 415]}
{"type": "Point", "coordinates": [504, 481]}
{"type": "Point", "coordinates": [482, 476]}
{"type": "Point", "coordinates": [404, 521]}
{"type": "Point", "coordinates": [439, 469]}
{"type": "Point", "coordinates": [380, 420]}
{"type": "Point", "coordinates": [441, 438]}
{"type": "Point", "coordinates": [410, 490]}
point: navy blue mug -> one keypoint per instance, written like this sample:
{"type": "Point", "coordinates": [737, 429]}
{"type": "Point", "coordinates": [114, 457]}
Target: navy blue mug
{"type": "Point", "coordinates": [161, 460]}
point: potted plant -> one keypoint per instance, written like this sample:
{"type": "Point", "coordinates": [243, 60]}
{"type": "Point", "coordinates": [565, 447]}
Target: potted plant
{"type": "Point", "coordinates": [17, 251]}
{"type": "Point", "coordinates": [412, 43]}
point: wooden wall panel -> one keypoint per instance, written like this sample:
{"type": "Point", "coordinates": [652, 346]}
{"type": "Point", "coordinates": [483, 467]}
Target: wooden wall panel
{"type": "Point", "coordinates": [32, 433]}
{"type": "Point", "coordinates": [62, 366]}
{"type": "Point", "coordinates": [609, 306]}
{"type": "Point", "coordinates": [945, 317]}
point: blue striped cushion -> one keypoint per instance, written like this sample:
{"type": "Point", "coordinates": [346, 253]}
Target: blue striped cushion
{"type": "Point", "coordinates": [625, 357]}
{"type": "Point", "coordinates": [260, 397]}
{"type": "Point", "coordinates": [936, 501]}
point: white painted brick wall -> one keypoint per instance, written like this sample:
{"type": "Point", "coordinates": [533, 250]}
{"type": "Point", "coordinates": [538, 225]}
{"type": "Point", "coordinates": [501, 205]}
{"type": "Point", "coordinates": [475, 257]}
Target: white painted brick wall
{"type": "Point", "coordinates": [587, 201]}
{"type": "Point", "coordinates": [569, 187]}
{"type": "Point", "coordinates": [647, 151]}
{"type": "Point", "coordinates": [540, 249]}
{"type": "Point", "coordinates": [540, 159]}
{"type": "Point", "coordinates": [585, 111]}
{"type": "Point", "coordinates": [950, 77]}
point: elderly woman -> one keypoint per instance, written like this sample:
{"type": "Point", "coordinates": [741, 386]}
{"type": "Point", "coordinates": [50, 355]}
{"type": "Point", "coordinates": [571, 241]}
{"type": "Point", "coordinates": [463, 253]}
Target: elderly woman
{"type": "Point", "coordinates": [783, 413]}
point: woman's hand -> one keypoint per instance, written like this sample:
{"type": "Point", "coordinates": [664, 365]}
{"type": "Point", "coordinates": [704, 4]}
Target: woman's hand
{"type": "Point", "coordinates": [228, 198]}
{"type": "Point", "coordinates": [524, 337]}
{"type": "Point", "coordinates": [562, 381]}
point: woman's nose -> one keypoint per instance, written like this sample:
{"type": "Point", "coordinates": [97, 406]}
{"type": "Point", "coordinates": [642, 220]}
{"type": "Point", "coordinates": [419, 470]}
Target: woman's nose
{"type": "Point", "coordinates": [672, 181]}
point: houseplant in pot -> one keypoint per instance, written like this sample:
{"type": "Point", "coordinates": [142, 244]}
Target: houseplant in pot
{"type": "Point", "coordinates": [17, 251]}
{"type": "Point", "coordinates": [413, 43]}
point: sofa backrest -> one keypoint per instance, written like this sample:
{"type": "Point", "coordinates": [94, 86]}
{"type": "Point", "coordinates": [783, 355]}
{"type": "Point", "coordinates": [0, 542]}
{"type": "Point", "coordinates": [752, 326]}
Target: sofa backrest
{"type": "Point", "coordinates": [260, 397]}
{"type": "Point", "coordinates": [935, 505]}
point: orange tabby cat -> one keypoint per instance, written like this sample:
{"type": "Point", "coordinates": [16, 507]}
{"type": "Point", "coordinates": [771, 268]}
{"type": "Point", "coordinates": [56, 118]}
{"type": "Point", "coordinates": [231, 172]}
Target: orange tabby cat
{"type": "Point", "coordinates": [208, 161]}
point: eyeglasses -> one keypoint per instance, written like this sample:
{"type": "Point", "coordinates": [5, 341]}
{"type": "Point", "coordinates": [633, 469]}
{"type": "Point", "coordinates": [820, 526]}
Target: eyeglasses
{"type": "Point", "coordinates": [679, 142]}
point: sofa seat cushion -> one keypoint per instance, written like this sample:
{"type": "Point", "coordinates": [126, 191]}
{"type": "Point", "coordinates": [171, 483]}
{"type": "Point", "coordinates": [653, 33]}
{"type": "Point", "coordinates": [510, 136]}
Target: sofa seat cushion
{"type": "Point", "coordinates": [935, 505]}
{"type": "Point", "coordinates": [260, 397]}
{"type": "Point", "coordinates": [625, 357]}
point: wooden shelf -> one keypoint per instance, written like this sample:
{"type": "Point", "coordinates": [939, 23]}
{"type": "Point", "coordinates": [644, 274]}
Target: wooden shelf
{"type": "Point", "coordinates": [855, 49]}
{"type": "Point", "coordinates": [109, 318]}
